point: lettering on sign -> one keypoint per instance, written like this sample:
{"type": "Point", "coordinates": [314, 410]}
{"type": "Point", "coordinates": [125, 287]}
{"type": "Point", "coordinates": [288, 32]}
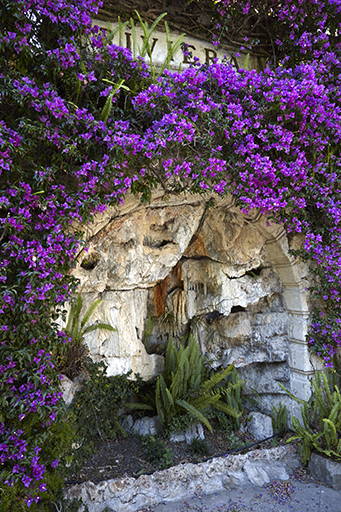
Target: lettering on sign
{"type": "Point", "coordinates": [203, 50]}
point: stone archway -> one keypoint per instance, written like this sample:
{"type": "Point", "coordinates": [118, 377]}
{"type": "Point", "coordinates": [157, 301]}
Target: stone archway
{"type": "Point", "coordinates": [232, 271]}
{"type": "Point", "coordinates": [293, 276]}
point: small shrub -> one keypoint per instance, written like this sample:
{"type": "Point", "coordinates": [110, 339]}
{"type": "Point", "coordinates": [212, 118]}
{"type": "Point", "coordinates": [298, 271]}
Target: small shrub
{"type": "Point", "coordinates": [156, 451]}
{"type": "Point", "coordinates": [234, 441]}
{"type": "Point", "coordinates": [226, 423]}
{"type": "Point", "coordinates": [96, 406]}
{"type": "Point", "coordinates": [199, 446]}
{"type": "Point", "coordinates": [181, 423]}
{"type": "Point", "coordinates": [145, 397]}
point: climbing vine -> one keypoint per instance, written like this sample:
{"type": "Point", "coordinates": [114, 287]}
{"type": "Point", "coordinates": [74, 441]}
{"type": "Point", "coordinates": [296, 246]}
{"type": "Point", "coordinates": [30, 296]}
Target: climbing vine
{"type": "Point", "coordinates": [82, 124]}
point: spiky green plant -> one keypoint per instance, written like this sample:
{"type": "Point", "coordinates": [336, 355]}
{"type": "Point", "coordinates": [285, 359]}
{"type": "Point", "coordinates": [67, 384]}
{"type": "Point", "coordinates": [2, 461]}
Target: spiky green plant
{"type": "Point", "coordinates": [279, 418]}
{"type": "Point", "coordinates": [76, 327]}
{"type": "Point", "coordinates": [321, 416]}
{"type": "Point", "coordinates": [146, 49]}
{"type": "Point", "coordinates": [184, 389]}
{"type": "Point", "coordinates": [231, 393]}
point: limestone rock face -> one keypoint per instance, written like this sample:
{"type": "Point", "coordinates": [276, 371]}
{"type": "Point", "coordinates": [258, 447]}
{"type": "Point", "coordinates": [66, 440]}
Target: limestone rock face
{"type": "Point", "coordinates": [122, 350]}
{"type": "Point", "coordinates": [256, 335]}
{"type": "Point", "coordinates": [209, 288]}
{"type": "Point", "coordinates": [183, 263]}
{"type": "Point", "coordinates": [225, 237]}
{"type": "Point", "coordinates": [138, 249]}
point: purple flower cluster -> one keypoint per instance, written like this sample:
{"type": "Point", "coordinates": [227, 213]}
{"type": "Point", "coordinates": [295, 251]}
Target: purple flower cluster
{"type": "Point", "coordinates": [33, 398]}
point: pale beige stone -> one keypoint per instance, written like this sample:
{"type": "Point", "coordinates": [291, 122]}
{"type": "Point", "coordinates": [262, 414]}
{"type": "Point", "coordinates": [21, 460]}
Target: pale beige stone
{"type": "Point", "coordinates": [138, 249]}
{"type": "Point", "coordinates": [69, 388]}
{"type": "Point", "coordinates": [225, 237]}
{"type": "Point", "coordinates": [95, 492]}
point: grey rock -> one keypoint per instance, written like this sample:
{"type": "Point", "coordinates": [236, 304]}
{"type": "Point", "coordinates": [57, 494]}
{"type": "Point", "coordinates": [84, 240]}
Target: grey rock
{"type": "Point", "coordinates": [326, 470]}
{"type": "Point", "coordinates": [260, 426]}
{"type": "Point", "coordinates": [256, 474]}
{"type": "Point", "coordinates": [265, 378]}
{"type": "Point", "coordinates": [146, 426]}
{"type": "Point", "coordinates": [195, 431]}
{"type": "Point", "coordinates": [178, 437]}
{"type": "Point", "coordinates": [69, 388]}
{"type": "Point", "coordinates": [128, 423]}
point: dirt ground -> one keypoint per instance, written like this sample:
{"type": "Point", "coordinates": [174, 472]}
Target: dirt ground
{"type": "Point", "coordinates": [126, 456]}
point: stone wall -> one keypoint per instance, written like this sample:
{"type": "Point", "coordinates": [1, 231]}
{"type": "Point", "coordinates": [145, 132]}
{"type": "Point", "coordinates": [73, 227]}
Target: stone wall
{"type": "Point", "coordinates": [258, 467]}
{"type": "Point", "coordinates": [186, 264]}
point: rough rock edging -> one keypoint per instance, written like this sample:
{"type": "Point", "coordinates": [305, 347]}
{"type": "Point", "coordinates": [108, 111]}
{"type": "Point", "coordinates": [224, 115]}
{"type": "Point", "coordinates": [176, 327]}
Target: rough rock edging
{"type": "Point", "coordinates": [131, 493]}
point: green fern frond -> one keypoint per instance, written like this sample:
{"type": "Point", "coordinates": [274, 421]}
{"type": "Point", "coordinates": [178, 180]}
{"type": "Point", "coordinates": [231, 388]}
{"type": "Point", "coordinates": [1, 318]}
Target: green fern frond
{"type": "Point", "coordinates": [321, 427]}
{"type": "Point", "coordinates": [75, 326]}
{"type": "Point", "coordinates": [172, 49]}
{"type": "Point", "coordinates": [194, 412]}
{"type": "Point", "coordinates": [215, 379]}
{"type": "Point", "coordinates": [106, 111]}
{"type": "Point", "coordinates": [204, 401]}
{"type": "Point", "coordinates": [184, 388]}
{"type": "Point", "coordinates": [230, 411]}
{"type": "Point", "coordinates": [298, 400]}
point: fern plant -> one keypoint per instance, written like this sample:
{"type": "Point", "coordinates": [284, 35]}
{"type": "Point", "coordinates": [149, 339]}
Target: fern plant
{"type": "Point", "coordinates": [231, 393]}
{"type": "Point", "coordinates": [321, 416]}
{"type": "Point", "coordinates": [184, 390]}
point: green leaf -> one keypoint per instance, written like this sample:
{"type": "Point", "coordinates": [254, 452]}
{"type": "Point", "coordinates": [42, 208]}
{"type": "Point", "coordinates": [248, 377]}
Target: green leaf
{"type": "Point", "coordinates": [194, 412]}
{"type": "Point", "coordinates": [94, 327]}
{"type": "Point", "coordinates": [108, 104]}
{"type": "Point", "coordinates": [221, 406]}
{"type": "Point", "coordinates": [137, 405]}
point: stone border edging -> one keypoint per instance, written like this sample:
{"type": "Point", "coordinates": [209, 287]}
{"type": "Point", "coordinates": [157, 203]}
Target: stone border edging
{"type": "Point", "coordinates": [131, 493]}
